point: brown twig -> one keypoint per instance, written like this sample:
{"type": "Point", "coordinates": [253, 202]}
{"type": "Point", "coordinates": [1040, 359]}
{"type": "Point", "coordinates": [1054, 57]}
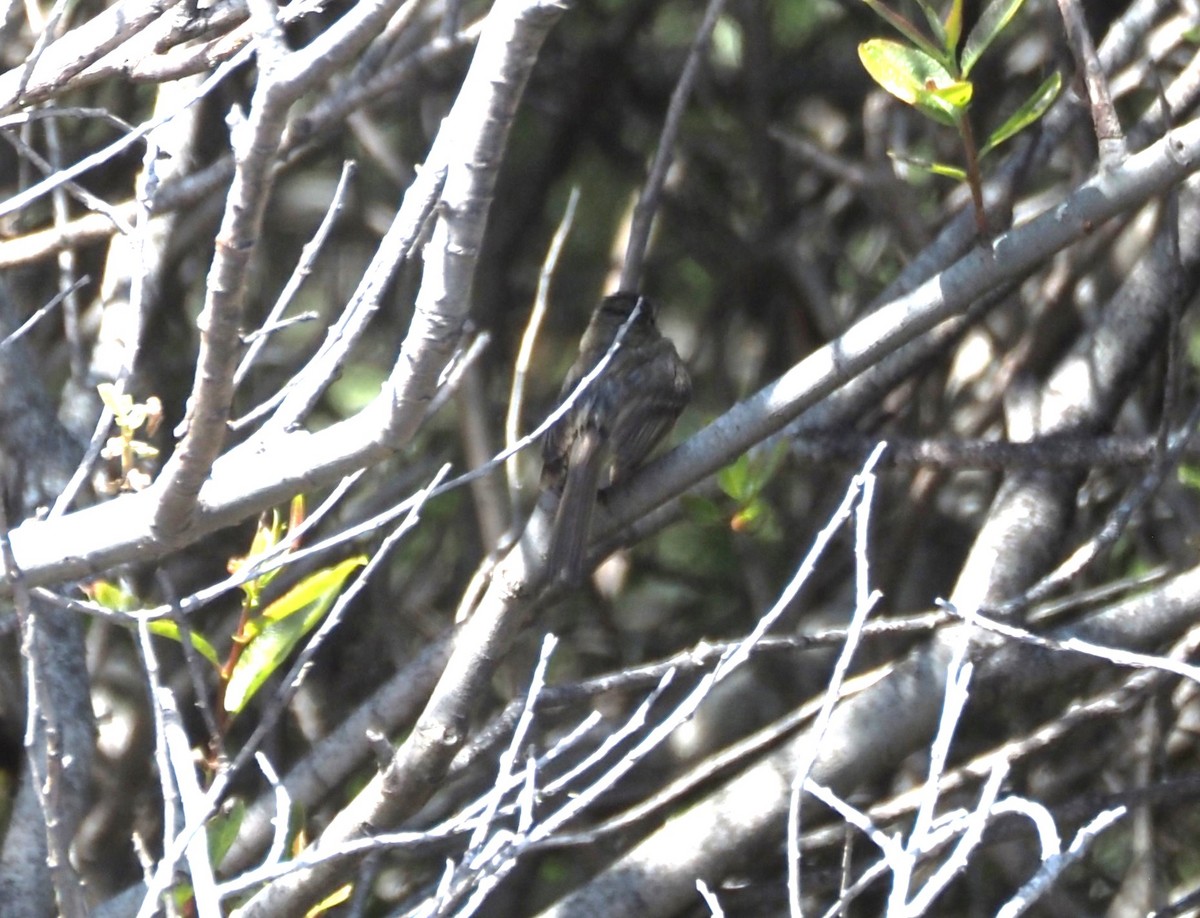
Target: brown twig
{"type": "Point", "coordinates": [1109, 135]}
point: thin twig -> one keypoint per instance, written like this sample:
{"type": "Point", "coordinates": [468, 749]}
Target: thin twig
{"type": "Point", "coordinates": [516, 400]}
{"type": "Point", "coordinates": [308, 256]}
{"type": "Point", "coordinates": [1109, 135]}
{"type": "Point", "coordinates": [647, 203]}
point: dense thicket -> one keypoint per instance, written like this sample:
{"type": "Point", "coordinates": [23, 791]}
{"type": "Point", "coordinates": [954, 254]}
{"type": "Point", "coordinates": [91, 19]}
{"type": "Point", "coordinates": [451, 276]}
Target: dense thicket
{"type": "Point", "coordinates": [306, 241]}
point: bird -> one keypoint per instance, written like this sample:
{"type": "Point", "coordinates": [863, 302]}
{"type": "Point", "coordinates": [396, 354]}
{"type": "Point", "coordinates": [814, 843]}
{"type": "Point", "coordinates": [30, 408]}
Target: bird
{"type": "Point", "coordinates": [614, 424]}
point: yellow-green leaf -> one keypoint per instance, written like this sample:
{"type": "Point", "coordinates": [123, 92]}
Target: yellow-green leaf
{"type": "Point", "coordinates": [957, 94]}
{"type": "Point", "coordinates": [904, 27]}
{"type": "Point", "coordinates": [911, 76]}
{"type": "Point", "coordinates": [953, 25]}
{"type": "Point", "coordinates": [943, 169]}
{"type": "Point", "coordinates": [734, 479]}
{"type": "Point", "coordinates": [271, 637]}
{"type": "Point", "coordinates": [1030, 111]}
{"type": "Point", "coordinates": [334, 899]}
{"type": "Point", "coordinates": [267, 537]}
{"type": "Point", "coordinates": [746, 476]}
{"type": "Point", "coordinates": [1189, 476]}
{"type": "Point", "coordinates": [168, 629]}
{"type": "Point", "coordinates": [115, 400]}
{"type": "Point", "coordinates": [111, 596]}
{"type": "Point", "coordinates": [321, 586]}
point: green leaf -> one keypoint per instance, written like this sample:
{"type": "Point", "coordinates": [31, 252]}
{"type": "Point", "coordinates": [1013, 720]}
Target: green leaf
{"type": "Point", "coordinates": [727, 43]}
{"type": "Point", "coordinates": [905, 28]}
{"type": "Point", "coordinates": [1029, 112]}
{"type": "Point", "coordinates": [745, 478]}
{"type": "Point", "coordinates": [182, 894]}
{"type": "Point", "coordinates": [223, 829]}
{"type": "Point", "coordinates": [115, 401]}
{"type": "Point", "coordinates": [318, 587]}
{"type": "Point", "coordinates": [272, 636]}
{"type": "Point", "coordinates": [935, 24]}
{"type": "Point", "coordinates": [703, 511]}
{"type": "Point", "coordinates": [953, 25]}
{"type": "Point", "coordinates": [943, 169]}
{"type": "Point", "coordinates": [768, 463]}
{"type": "Point", "coordinates": [267, 537]}
{"type": "Point", "coordinates": [112, 596]}
{"type": "Point", "coordinates": [1189, 476]}
{"type": "Point", "coordinates": [358, 385]}
{"type": "Point", "coordinates": [734, 479]}
{"type": "Point", "coordinates": [991, 23]}
{"type": "Point", "coordinates": [958, 94]}
{"type": "Point", "coordinates": [913, 77]}
{"type": "Point", "coordinates": [168, 629]}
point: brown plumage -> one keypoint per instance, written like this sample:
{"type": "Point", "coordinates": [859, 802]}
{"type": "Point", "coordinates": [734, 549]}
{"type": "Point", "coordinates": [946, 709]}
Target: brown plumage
{"type": "Point", "coordinates": [613, 426]}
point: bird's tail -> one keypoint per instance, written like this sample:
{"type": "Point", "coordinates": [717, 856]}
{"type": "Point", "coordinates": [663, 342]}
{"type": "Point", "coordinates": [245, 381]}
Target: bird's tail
{"type": "Point", "coordinates": [567, 555]}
